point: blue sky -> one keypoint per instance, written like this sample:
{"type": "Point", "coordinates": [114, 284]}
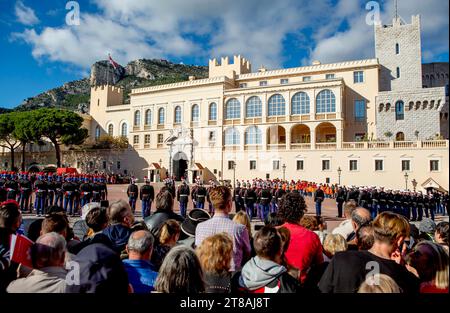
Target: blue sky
{"type": "Point", "coordinates": [41, 51]}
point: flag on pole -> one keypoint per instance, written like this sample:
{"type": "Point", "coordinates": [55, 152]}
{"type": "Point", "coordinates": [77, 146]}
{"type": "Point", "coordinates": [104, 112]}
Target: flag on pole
{"type": "Point", "coordinates": [113, 63]}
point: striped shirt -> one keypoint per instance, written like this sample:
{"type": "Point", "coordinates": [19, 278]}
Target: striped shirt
{"type": "Point", "coordinates": [238, 232]}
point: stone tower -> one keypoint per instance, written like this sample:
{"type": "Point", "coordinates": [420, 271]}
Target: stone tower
{"type": "Point", "coordinates": [398, 49]}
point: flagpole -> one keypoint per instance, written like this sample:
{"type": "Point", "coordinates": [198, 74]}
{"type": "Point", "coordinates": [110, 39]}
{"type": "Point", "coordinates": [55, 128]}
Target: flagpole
{"type": "Point", "coordinates": [107, 72]}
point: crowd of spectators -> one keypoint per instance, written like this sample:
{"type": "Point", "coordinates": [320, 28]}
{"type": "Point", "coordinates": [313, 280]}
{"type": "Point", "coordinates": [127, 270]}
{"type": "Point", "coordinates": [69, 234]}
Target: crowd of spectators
{"type": "Point", "coordinates": [108, 251]}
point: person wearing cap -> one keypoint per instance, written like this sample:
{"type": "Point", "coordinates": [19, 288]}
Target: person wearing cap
{"type": "Point", "coordinates": [40, 189]}
{"type": "Point", "coordinates": [265, 198]}
{"type": "Point", "coordinates": [319, 196]}
{"type": "Point", "coordinates": [86, 192]}
{"type": "Point", "coordinates": [183, 197]}
{"type": "Point", "coordinates": [68, 190]}
{"type": "Point", "coordinates": [340, 199]}
{"type": "Point", "coordinates": [200, 196]}
{"type": "Point", "coordinates": [132, 193]}
{"type": "Point", "coordinates": [25, 192]}
{"type": "Point", "coordinates": [250, 200]}
{"type": "Point", "coordinates": [427, 228]}
{"type": "Point", "coordinates": [51, 186]}
{"type": "Point", "coordinates": [147, 195]}
{"type": "Point", "coordinates": [237, 197]}
{"type": "Point", "coordinates": [59, 194]}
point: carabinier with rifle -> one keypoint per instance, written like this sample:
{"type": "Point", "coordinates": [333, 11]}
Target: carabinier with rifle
{"type": "Point", "coordinates": [40, 189]}
{"type": "Point", "coordinates": [200, 196]}
{"type": "Point", "coordinates": [250, 200]}
{"type": "Point", "coordinates": [132, 193]}
{"type": "Point", "coordinates": [183, 196]}
{"type": "Point", "coordinates": [26, 190]}
{"type": "Point", "coordinates": [237, 197]}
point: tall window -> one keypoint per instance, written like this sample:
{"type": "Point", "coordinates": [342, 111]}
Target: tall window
{"type": "Point", "coordinates": [124, 130]}
{"type": "Point", "coordinates": [160, 138]}
{"type": "Point", "coordinates": [276, 165]}
{"type": "Point", "coordinates": [148, 117]}
{"type": "Point", "coordinates": [276, 105]}
{"type": "Point", "coordinates": [358, 77]}
{"type": "Point", "coordinates": [406, 165]}
{"type": "Point", "coordinates": [253, 136]}
{"type": "Point", "coordinates": [136, 139]}
{"type": "Point", "coordinates": [399, 110]}
{"type": "Point", "coordinates": [110, 129]}
{"type": "Point", "coordinates": [300, 103]}
{"type": "Point", "coordinates": [353, 165]}
{"type": "Point", "coordinates": [397, 48]}
{"type": "Point", "coordinates": [195, 113]}
{"type": "Point", "coordinates": [97, 132]}
{"type": "Point", "coordinates": [253, 107]}
{"type": "Point", "coordinates": [231, 136]}
{"type": "Point", "coordinates": [379, 165]}
{"type": "Point", "coordinates": [161, 116]}
{"type": "Point", "coordinates": [325, 165]}
{"type": "Point", "coordinates": [253, 165]}
{"type": "Point", "coordinates": [325, 102]}
{"type": "Point", "coordinates": [137, 118]}
{"type": "Point", "coordinates": [300, 165]}
{"type": "Point", "coordinates": [398, 72]}
{"type": "Point", "coordinates": [233, 109]}
{"type": "Point", "coordinates": [178, 115]}
{"type": "Point", "coordinates": [147, 139]}
{"type": "Point", "coordinates": [212, 112]}
{"type": "Point", "coordinates": [434, 165]}
{"type": "Point", "coordinates": [360, 110]}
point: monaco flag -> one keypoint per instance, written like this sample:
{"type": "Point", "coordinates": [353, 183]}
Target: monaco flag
{"type": "Point", "coordinates": [113, 63]}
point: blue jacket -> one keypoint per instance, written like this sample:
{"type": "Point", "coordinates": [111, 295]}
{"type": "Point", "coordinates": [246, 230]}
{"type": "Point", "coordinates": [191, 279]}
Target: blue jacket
{"type": "Point", "coordinates": [141, 275]}
{"type": "Point", "coordinates": [118, 234]}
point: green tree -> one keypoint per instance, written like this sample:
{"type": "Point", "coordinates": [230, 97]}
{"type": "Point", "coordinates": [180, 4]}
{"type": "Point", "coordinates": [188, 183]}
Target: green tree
{"type": "Point", "coordinates": [7, 139]}
{"type": "Point", "coordinates": [61, 127]}
{"type": "Point", "coordinates": [388, 134]}
{"type": "Point", "coordinates": [24, 133]}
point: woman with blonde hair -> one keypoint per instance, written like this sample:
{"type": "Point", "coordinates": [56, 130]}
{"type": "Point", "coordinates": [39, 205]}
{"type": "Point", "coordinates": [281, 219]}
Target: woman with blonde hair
{"type": "Point", "coordinates": [215, 254]}
{"type": "Point", "coordinates": [379, 283]}
{"type": "Point", "coordinates": [168, 237]}
{"type": "Point", "coordinates": [430, 263]}
{"type": "Point", "coordinates": [242, 217]}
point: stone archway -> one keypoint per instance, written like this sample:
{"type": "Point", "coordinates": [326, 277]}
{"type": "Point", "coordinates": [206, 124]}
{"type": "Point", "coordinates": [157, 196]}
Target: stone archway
{"type": "Point", "coordinates": [179, 165]}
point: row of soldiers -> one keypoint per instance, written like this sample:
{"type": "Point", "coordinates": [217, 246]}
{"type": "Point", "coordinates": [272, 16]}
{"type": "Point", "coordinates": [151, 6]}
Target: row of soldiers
{"type": "Point", "coordinates": [411, 204]}
{"type": "Point", "coordinates": [68, 191]}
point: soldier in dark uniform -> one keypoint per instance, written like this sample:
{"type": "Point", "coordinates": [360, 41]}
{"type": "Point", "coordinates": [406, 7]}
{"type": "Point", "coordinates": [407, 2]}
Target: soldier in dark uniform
{"type": "Point", "coordinates": [103, 188]}
{"type": "Point", "coordinates": [353, 194]}
{"type": "Point", "coordinates": [340, 199]}
{"type": "Point", "coordinates": [25, 193]}
{"type": "Point", "coordinates": [397, 202]}
{"type": "Point", "coordinates": [40, 189]}
{"type": "Point", "coordinates": [413, 205]}
{"type": "Point", "coordinates": [363, 198]}
{"type": "Point", "coordinates": [132, 193]}
{"type": "Point", "coordinates": [12, 188]}
{"type": "Point", "coordinates": [382, 200]}
{"type": "Point", "coordinates": [200, 196]}
{"type": "Point", "coordinates": [406, 205]}
{"type": "Point", "coordinates": [183, 197]}
{"type": "Point", "coordinates": [96, 190]}
{"type": "Point", "coordinates": [431, 204]}
{"type": "Point", "coordinates": [420, 205]}
{"type": "Point", "coordinates": [250, 200]}
{"type": "Point", "coordinates": [59, 193]}
{"type": "Point", "coordinates": [147, 195]}
{"type": "Point", "coordinates": [237, 197]}
{"type": "Point", "coordinates": [86, 192]}
{"type": "Point", "coordinates": [319, 196]}
{"type": "Point", "coordinates": [76, 194]}
{"type": "Point", "coordinates": [68, 190]}
{"type": "Point", "coordinates": [51, 187]}
{"type": "Point", "coordinates": [264, 202]}
{"type": "Point", "coordinates": [390, 204]}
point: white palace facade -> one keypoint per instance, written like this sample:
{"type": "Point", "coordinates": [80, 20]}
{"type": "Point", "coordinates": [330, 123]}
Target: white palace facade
{"type": "Point", "coordinates": [363, 122]}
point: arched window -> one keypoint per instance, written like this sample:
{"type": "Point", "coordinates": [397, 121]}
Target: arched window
{"type": "Point", "coordinates": [399, 110]}
{"type": "Point", "coordinates": [212, 116]}
{"type": "Point", "coordinates": [276, 105]}
{"type": "Point", "coordinates": [161, 116]}
{"type": "Point", "coordinates": [300, 103]}
{"type": "Point", "coordinates": [381, 107]}
{"type": "Point", "coordinates": [177, 114]}
{"type": "Point", "coordinates": [253, 107]}
{"type": "Point", "coordinates": [137, 118]}
{"type": "Point", "coordinates": [97, 132]}
{"type": "Point", "coordinates": [232, 136]}
{"type": "Point", "coordinates": [233, 109]}
{"type": "Point", "coordinates": [110, 129]}
{"type": "Point", "coordinates": [195, 113]}
{"type": "Point", "coordinates": [148, 117]}
{"type": "Point", "coordinates": [400, 136]}
{"type": "Point", "coordinates": [253, 136]}
{"type": "Point", "coordinates": [325, 102]}
{"type": "Point", "coordinates": [124, 130]}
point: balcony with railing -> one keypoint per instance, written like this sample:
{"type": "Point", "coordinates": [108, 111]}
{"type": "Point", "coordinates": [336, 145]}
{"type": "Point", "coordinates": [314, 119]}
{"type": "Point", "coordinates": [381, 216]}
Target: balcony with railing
{"type": "Point", "coordinates": [326, 146]}
{"type": "Point", "coordinates": [276, 146]}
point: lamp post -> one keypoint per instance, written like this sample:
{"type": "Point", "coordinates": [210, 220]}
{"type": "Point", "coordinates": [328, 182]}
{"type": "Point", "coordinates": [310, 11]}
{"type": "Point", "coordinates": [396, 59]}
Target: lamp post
{"type": "Point", "coordinates": [284, 171]}
{"type": "Point", "coordinates": [339, 175]}
{"type": "Point", "coordinates": [406, 180]}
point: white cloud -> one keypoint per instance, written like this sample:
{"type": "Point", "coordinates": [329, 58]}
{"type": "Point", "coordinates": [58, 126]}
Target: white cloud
{"type": "Point", "coordinates": [357, 41]}
{"type": "Point", "coordinates": [256, 29]}
{"type": "Point", "coordinates": [25, 15]}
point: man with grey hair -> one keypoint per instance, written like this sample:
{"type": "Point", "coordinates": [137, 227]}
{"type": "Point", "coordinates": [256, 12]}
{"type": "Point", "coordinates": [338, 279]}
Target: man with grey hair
{"type": "Point", "coordinates": [141, 273]}
{"type": "Point", "coordinates": [49, 274]}
{"type": "Point", "coordinates": [360, 217]}
{"type": "Point", "coordinates": [121, 218]}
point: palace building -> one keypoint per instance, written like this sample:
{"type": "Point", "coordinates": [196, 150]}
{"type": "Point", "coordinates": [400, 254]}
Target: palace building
{"type": "Point", "coordinates": [361, 122]}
